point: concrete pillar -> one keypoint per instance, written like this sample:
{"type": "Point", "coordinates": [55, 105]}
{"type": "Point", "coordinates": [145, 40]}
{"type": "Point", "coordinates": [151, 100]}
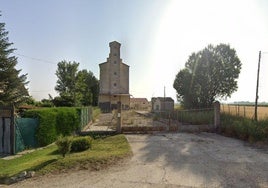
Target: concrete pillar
{"type": "Point", "coordinates": [119, 117]}
{"type": "Point", "coordinates": [217, 110]}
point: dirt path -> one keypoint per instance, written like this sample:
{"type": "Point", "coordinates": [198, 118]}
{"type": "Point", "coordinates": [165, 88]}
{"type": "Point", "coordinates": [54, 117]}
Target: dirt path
{"type": "Point", "coordinates": [174, 160]}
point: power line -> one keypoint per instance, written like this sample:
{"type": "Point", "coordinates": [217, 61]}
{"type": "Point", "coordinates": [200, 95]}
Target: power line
{"type": "Point", "coordinates": [36, 59]}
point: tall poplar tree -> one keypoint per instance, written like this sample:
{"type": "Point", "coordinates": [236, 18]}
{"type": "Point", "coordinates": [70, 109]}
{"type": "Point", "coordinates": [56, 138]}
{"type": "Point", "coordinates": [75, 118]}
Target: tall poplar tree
{"type": "Point", "coordinates": [67, 83]}
{"type": "Point", "coordinates": [12, 84]}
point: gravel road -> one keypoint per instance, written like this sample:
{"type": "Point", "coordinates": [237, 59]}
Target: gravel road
{"type": "Point", "coordinates": [173, 160]}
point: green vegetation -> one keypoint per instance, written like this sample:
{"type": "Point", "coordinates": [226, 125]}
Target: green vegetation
{"type": "Point", "coordinates": [75, 87]}
{"type": "Point", "coordinates": [104, 152]}
{"type": "Point", "coordinates": [67, 121]}
{"type": "Point", "coordinates": [54, 122]}
{"type": "Point", "coordinates": [31, 161]}
{"type": "Point", "coordinates": [81, 143]}
{"type": "Point", "coordinates": [208, 74]}
{"type": "Point", "coordinates": [96, 113]}
{"type": "Point", "coordinates": [195, 117]}
{"type": "Point", "coordinates": [12, 82]}
{"type": "Point", "coordinates": [64, 145]}
{"type": "Point", "coordinates": [244, 128]}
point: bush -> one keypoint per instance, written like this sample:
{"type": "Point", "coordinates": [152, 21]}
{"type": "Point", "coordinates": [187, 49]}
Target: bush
{"type": "Point", "coordinates": [67, 121]}
{"type": "Point", "coordinates": [64, 145]}
{"type": "Point", "coordinates": [81, 143]}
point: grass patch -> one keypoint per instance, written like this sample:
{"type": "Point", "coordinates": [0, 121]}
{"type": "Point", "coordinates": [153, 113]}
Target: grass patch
{"type": "Point", "coordinates": [31, 161]}
{"type": "Point", "coordinates": [104, 152]}
{"type": "Point", "coordinates": [244, 128]}
{"type": "Point", "coordinates": [96, 113]}
{"type": "Point", "coordinates": [195, 117]}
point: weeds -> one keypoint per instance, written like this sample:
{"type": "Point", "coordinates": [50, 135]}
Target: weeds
{"type": "Point", "coordinates": [244, 128]}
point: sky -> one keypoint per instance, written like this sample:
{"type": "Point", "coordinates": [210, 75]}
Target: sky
{"type": "Point", "coordinates": [157, 37]}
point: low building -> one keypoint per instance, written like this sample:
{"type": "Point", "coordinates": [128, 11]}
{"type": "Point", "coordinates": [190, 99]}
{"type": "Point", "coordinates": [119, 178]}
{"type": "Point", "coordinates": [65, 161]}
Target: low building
{"type": "Point", "coordinates": [162, 104]}
{"type": "Point", "coordinates": [139, 104]}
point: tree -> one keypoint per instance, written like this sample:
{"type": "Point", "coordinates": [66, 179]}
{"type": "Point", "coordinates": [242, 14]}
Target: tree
{"type": "Point", "coordinates": [12, 84]}
{"type": "Point", "coordinates": [208, 74]}
{"type": "Point", "coordinates": [67, 82]}
{"type": "Point", "coordinates": [75, 87]}
{"type": "Point", "coordinates": [88, 88]}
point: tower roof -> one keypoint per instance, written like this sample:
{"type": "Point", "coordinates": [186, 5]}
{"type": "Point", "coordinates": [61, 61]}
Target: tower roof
{"type": "Point", "coordinates": [114, 43]}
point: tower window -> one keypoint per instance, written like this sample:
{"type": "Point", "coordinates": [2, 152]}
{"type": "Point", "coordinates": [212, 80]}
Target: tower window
{"type": "Point", "coordinates": [114, 84]}
{"type": "Point", "coordinates": [115, 54]}
{"type": "Point", "coordinates": [114, 62]}
{"type": "Point", "coordinates": [115, 73]}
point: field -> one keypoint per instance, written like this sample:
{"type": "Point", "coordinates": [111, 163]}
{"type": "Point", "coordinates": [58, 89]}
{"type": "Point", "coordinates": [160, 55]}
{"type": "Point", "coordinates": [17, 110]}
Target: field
{"type": "Point", "coordinates": [245, 111]}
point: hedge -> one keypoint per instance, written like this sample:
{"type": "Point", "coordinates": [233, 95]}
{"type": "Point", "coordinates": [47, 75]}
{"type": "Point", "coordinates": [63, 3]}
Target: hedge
{"type": "Point", "coordinates": [54, 122]}
{"type": "Point", "coordinates": [67, 121]}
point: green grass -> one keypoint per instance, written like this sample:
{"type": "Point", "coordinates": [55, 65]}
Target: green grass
{"type": "Point", "coordinates": [104, 152]}
{"type": "Point", "coordinates": [30, 161]}
{"type": "Point", "coordinates": [195, 117]}
{"type": "Point", "coordinates": [96, 113]}
{"type": "Point", "coordinates": [244, 128]}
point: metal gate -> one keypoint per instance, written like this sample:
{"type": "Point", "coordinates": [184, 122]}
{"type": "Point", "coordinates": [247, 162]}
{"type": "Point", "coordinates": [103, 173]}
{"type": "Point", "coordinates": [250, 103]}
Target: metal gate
{"type": "Point", "coordinates": [7, 137]}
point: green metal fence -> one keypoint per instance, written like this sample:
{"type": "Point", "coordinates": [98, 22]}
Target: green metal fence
{"type": "Point", "coordinates": [86, 115]}
{"type": "Point", "coordinates": [25, 129]}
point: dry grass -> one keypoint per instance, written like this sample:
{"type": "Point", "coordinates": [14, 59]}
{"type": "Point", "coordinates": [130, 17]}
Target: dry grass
{"type": "Point", "coordinates": [245, 111]}
{"type": "Point", "coordinates": [134, 119]}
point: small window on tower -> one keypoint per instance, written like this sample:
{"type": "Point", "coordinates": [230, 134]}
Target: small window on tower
{"type": "Point", "coordinates": [114, 84]}
{"type": "Point", "coordinates": [115, 54]}
{"type": "Point", "coordinates": [115, 73]}
{"type": "Point", "coordinates": [114, 62]}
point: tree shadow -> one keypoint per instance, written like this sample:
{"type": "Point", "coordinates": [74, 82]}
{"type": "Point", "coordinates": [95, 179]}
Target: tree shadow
{"type": "Point", "coordinates": [209, 159]}
{"type": "Point", "coordinates": [42, 165]}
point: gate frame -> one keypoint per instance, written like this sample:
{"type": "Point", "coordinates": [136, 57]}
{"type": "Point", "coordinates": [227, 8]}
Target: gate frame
{"type": "Point", "coordinates": [11, 115]}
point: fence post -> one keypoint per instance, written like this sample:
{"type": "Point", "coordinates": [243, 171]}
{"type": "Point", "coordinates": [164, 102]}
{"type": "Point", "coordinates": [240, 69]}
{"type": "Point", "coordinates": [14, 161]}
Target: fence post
{"type": "Point", "coordinates": [217, 108]}
{"type": "Point", "coordinates": [12, 131]}
{"type": "Point", "coordinates": [119, 117]}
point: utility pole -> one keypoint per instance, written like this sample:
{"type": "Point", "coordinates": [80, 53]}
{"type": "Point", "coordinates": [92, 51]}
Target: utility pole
{"type": "Point", "coordinates": [257, 89]}
{"type": "Point", "coordinates": [164, 99]}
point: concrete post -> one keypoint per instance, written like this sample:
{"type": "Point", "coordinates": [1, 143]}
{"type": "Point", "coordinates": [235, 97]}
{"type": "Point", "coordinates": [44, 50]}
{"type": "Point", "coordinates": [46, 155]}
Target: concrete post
{"type": "Point", "coordinates": [217, 110]}
{"type": "Point", "coordinates": [119, 117]}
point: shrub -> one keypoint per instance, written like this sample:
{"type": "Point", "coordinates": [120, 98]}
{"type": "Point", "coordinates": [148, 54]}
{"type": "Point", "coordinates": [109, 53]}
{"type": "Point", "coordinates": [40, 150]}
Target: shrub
{"type": "Point", "coordinates": [64, 145]}
{"type": "Point", "coordinates": [81, 143]}
{"type": "Point", "coordinates": [67, 121]}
